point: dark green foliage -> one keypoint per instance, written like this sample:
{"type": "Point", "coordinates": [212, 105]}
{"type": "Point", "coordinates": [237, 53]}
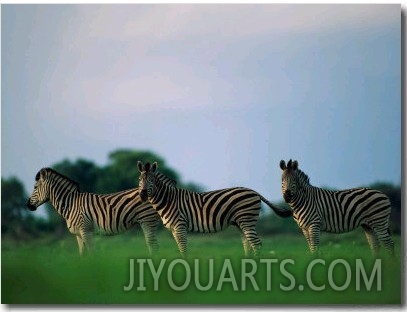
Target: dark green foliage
{"type": "Point", "coordinates": [12, 205]}
{"type": "Point", "coordinates": [83, 171]}
{"type": "Point", "coordinates": [121, 172]}
{"type": "Point", "coordinates": [394, 194]}
{"type": "Point", "coordinates": [12, 200]}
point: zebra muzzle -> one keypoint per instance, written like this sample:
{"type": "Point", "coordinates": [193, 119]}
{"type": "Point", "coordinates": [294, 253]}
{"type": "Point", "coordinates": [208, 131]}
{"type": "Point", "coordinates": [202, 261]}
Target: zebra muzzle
{"type": "Point", "coordinates": [30, 206]}
{"type": "Point", "coordinates": [143, 195]}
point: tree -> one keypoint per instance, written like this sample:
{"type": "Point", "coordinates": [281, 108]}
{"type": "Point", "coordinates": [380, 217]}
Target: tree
{"type": "Point", "coordinates": [121, 172]}
{"type": "Point", "coordinates": [83, 171]}
{"type": "Point", "coordinates": [13, 200]}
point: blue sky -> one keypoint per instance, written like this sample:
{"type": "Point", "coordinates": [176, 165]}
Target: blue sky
{"type": "Point", "coordinates": [222, 92]}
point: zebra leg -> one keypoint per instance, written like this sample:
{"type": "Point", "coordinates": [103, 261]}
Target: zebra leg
{"type": "Point", "coordinates": [371, 239]}
{"type": "Point", "coordinates": [80, 244]}
{"type": "Point", "coordinates": [86, 237]}
{"type": "Point", "coordinates": [306, 235]}
{"type": "Point", "coordinates": [384, 236]}
{"type": "Point", "coordinates": [180, 236]}
{"type": "Point", "coordinates": [150, 235]}
{"type": "Point", "coordinates": [246, 245]}
{"type": "Point", "coordinates": [251, 237]}
{"type": "Point", "coordinates": [314, 235]}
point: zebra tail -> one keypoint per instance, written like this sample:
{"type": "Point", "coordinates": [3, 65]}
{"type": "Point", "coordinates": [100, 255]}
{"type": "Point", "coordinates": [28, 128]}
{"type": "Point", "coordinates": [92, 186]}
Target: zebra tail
{"type": "Point", "coordinates": [284, 213]}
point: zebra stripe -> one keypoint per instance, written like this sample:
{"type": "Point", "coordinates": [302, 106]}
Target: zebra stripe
{"type": "Point", "coordinates": [184, 211]}
{"type": "Point", "coordinates": [86, 213]}
{"type": "Point", "coordinates": [316, 209]}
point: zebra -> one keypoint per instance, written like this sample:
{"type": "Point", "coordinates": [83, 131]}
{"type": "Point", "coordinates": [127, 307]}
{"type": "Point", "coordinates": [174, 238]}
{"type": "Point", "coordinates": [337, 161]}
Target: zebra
{"type": "Point", "coordinates": [87, 213]}
{"type": "Point", "coordinates": [316, 209]}
{"type": "Point", "coordinates": [185, 211]}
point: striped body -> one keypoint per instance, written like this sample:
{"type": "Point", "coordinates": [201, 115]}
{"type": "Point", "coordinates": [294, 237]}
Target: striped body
{"type": "Point", "coordinates": [316, 209]}
{"type": "Point", "coordinates": [340, 211]}
{"type": "Point", "coordinates": [184, 211]}
{"type": "Point", "coordinates": [207, 212]}
{"type": "Point", "coordinates": [105, 213]}
{"type": "Point", "coordinates": [86, 213]}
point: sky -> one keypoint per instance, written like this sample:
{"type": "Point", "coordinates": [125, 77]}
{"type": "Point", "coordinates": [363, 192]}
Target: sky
{"type": "Point", "coordinates": [221, 92]}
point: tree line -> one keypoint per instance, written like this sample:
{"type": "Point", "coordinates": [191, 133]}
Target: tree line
{"type": "Point", "coordinates": [118, 174]}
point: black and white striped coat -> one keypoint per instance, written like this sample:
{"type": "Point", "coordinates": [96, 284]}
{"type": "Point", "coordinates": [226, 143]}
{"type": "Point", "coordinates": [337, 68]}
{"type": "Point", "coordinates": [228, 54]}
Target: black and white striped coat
{"type": "Point", "coordinates": [316, 209]}
{"type": "Point", "coordinates": [86, 213]}
{"type": "Point", "coordinates": [184, 211]}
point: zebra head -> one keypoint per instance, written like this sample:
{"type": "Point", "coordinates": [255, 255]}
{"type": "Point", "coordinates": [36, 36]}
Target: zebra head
{"type": "Point", "coordinates": [146, 184]}
{"type": "Point", "coordinates": [41, 190]}
{"type": "Point", "coordinates": [289, 181]}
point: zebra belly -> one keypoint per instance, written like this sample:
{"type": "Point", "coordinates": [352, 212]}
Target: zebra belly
{"type": "Point", "coordinates": [338, 228]}
{"type": "Point", "coordinates": [207, 229]}
{"type": "Point", "coordinates": [111, 231]}
{"type": "Point", "coordinates": [331, 230]}
{"type": "Point", "coordinates": [325, 224]}
{"type": "Point", "coordinates": [111, 228]}
{"type": "Point", "coordinates": [194, 227]}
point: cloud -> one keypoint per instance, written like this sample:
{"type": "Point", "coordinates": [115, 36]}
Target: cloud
{"type": "Point", "coordinates": [165, 22]}
{"type": "Point", "coordinates": [147, 44]}
{"type": "Point", "coordinates": [157, 89]}
{"type": "Point", "coordinates": [156, 83]}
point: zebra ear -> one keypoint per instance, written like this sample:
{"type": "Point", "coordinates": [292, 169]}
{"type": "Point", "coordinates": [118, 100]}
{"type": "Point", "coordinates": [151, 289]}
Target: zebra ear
{"type": "Point", "coordinates": [140, 166]}
{"type": "Point", "coordinates": [282, 165]}
{"type": "Point", "coordinates": [38, 175]}
{"type": "Point", "coordinates": [289, 164]}
{"type": "Point", "coordinates": [295, 165]}
{"type": "Point", "coordinates": [154, 167]}
{"type": "Point", "coordinates": [41, 174]}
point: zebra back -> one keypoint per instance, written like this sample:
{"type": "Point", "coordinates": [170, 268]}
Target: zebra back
{"type": "Point", "coordinates": [165, 180]}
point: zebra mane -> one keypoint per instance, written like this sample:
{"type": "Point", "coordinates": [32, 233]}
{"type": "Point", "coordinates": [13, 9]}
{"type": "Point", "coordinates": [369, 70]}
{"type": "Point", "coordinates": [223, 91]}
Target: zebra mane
{"type": "Point", "coordinates": [302, 177]}
{"type": "Point", "coordinates": [53, 172]}
{"type": "Point", "coordinates": [165, 180]}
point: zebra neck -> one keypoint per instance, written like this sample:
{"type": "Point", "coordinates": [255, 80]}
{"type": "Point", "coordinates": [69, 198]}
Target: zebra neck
{"type": "Point", "coordinates": [301, 199]}
{"type": "Point", "coordinates": [63, 200]}
{"type": "Point", "coordinates": [162, 195]}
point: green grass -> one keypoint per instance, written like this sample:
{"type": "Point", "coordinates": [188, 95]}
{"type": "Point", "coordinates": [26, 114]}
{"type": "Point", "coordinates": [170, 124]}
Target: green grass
{"type": "Point", "coordinates": [37, 272]}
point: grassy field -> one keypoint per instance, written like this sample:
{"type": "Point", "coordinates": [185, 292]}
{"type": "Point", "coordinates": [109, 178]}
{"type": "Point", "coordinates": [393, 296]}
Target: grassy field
{"type": "Point", "coordinates": [41, 272]}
